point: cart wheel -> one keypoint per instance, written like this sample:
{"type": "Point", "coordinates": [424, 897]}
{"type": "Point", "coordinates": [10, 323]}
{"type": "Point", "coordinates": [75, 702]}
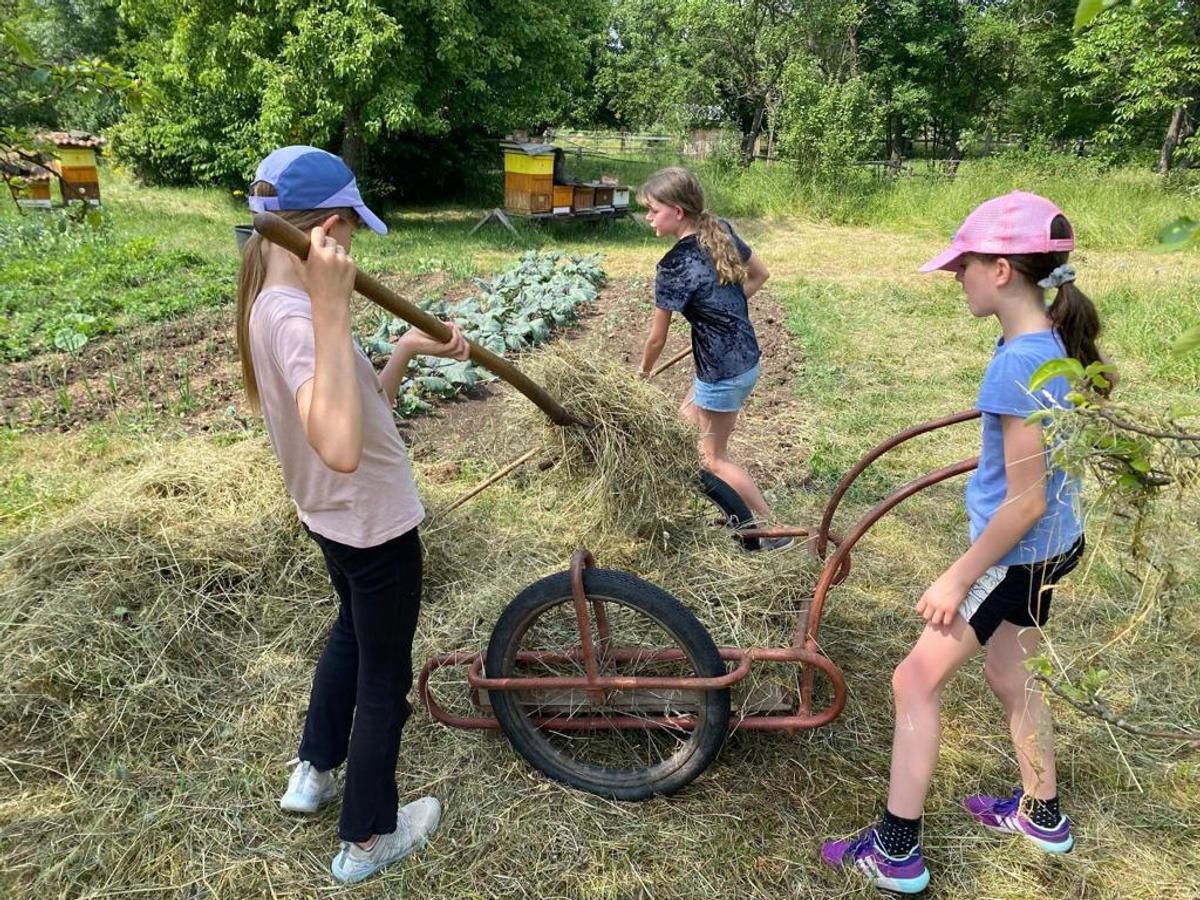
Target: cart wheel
{"type": "Point", "coordinates": [731, 504]}
{"type": "Point", "coordinates": [568, 733]}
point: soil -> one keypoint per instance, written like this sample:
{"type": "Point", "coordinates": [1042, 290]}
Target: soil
{"type": "Point", "coordinates": [186, 372]}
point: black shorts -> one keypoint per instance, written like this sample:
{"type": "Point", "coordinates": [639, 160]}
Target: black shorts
{"type": "Point", "coordinates": [1019, 594]}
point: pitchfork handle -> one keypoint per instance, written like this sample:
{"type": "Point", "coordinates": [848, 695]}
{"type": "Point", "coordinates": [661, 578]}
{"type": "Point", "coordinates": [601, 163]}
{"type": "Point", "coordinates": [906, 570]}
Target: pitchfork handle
{"type": "Point", "coordinates": [291, 238]}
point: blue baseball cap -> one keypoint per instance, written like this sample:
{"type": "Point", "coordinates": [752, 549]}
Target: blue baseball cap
{"type": "Point", "coordinates": [311, 178]}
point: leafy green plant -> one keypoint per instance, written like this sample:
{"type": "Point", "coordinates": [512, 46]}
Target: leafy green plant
{"type": "Point", "coordinates": [515, 311]}
{"type": "Point", "coordinates": [1147, 466]}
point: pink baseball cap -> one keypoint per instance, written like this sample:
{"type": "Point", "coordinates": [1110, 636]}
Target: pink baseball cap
{"type": "Point", "coordinates": [1015, 223]}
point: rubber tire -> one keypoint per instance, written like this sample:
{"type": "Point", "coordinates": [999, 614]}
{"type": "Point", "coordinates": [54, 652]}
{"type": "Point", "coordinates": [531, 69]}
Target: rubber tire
{"type": "Point", "coordinates": [669, 614]}
{"type": "Point", "coordinates": [730, 503]}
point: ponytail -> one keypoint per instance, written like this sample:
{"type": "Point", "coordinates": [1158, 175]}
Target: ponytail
{"type": "Point", "coordinates": [250, 282]}
{"type": "Point", "coordinates": [1073, 314]}
{"type": "Point", "coordinates": [253, 273]}
{"type": "Point", "coordinates": [1077, 322]}
{"type": "Point", "coordinates": [715, 240]}
{"type": "Point", "coordinates": [677, 186]}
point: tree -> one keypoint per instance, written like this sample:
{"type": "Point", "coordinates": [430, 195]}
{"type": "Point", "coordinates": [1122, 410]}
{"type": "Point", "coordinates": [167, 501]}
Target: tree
{"type": "Point", "coordinates": [236, 78]}
{"type": "Point", "coordinates": [1145, 60]}
{"type": "Point", "coordinates": [42, 78]}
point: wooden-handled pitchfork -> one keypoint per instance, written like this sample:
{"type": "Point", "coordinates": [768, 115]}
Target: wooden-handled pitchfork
{"type": "Point", "coordinates": [291, 238]}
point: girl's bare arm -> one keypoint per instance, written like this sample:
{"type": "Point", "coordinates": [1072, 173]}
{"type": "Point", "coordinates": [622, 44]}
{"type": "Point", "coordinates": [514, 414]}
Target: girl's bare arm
{"type": "Point", "coordinates": [656, 340]}
{"type": "Point", "coordinates": [756, 275]}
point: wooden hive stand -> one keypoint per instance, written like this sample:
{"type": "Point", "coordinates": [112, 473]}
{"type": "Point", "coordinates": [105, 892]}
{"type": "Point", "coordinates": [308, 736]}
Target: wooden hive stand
{"type": "Point", "coordinates": [537, 188]}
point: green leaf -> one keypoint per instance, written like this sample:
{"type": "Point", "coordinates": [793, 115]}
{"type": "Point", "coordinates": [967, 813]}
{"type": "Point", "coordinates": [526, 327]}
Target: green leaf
{"type": "Point", "coordinates": [461, 373]}
{"type": "Point", "coordinates": [70, 340]}
{"type": "Point", "coordinates": [1186, 342]}
{"type": "Point", "coordinates": [436, 384]}
{"type": "Point", "coordinates": [1070, 369]}
{"type": "Point", "coordinates": [1087, 10]}
{"type": "Point", "coordinates": [1140, 464]}
{"type": "Point", "coordinates": [1039, 665]}
{"type": "Point", "coordinates": [1174, 235]}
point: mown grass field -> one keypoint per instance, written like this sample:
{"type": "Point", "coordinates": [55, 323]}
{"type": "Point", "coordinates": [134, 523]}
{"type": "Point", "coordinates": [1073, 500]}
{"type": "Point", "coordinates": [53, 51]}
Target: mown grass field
{"type": "Point", "coordinates": [145, 790]}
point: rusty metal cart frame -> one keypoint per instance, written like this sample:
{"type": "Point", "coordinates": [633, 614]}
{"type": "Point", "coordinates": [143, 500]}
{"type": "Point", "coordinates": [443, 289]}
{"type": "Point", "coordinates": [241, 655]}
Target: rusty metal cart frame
{"type": "Point", "coordinates": [804, 650]}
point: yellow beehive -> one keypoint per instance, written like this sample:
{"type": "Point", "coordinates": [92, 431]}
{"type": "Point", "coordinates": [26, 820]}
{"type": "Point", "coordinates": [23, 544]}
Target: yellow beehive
{"type": "Point", "coordinates": [528, 177]}
{"type": "Point", "coordinates": [76, 165]}
{"type": "Point", "coordinates": [28, 182]}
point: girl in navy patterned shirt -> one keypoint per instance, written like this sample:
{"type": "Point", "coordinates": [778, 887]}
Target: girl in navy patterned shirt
{"type": "Point", "coordinates": [707, 277]}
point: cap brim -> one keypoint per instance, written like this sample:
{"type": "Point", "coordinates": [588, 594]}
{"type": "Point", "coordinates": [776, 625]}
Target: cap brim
{"type": "Point", "coordinates": [947, 259]}
{"type": "Point", "coordinates": [371, 220]}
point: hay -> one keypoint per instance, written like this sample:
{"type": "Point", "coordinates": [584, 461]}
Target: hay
{"type": "Point", "coordinates": [158, 645]}
{"type": "Point", "coordinates": [634, 468]}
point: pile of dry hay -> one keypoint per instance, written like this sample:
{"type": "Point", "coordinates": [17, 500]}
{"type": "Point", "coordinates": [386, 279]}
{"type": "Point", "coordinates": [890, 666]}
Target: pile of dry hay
{"type": "Point", "coordinates": [158, 641]}
{"type": "Point", "coordinates": [635, 468]}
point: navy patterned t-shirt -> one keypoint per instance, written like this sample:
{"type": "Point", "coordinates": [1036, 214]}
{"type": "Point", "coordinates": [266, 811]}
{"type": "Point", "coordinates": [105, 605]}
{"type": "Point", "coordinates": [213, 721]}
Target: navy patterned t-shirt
{"type": "Point", "coordinates": [723, 341]}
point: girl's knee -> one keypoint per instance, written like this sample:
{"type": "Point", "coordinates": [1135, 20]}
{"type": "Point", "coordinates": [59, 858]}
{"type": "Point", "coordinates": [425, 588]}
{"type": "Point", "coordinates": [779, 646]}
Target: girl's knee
{"type": "Point", "coordinates": [914, 679]}
{"type": "Point", "coordinates": [1007, 682]}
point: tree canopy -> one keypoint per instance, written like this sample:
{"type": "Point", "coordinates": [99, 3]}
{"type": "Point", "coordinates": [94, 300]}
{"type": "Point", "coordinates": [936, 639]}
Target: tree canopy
{"type": "Point", "coordinates": [406, 90]}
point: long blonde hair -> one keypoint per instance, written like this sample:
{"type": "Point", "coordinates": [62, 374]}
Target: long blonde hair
{"type": "Point", "coordinates": [677, 186]}
{"type": "Point", "coordinates": [254, 270]}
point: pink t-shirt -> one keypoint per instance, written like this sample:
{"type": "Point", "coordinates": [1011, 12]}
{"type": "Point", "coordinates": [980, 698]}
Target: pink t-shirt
{"type": "Point", "coordinates": [376, 502]}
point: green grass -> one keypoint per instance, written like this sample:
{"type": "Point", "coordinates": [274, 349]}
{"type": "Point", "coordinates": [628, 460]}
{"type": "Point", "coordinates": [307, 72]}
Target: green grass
{"type": "Point", "coordinates": [881, 348]}
{"type": "Point", "coordinates": [166, 251]}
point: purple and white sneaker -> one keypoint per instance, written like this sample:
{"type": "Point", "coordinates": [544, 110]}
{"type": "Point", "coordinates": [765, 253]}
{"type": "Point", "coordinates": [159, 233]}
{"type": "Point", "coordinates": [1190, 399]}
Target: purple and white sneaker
{"type": "Point", "coordinates": [904, 876]}
{"type": "Point", "coordinates": [1004, 814]}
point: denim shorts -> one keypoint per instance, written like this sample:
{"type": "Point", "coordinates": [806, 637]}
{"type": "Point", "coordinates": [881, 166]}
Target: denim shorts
{"type": "Point", "coordinates": [727, 395]}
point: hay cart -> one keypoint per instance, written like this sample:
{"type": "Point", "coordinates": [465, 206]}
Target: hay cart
{"type": "Point", "coordinates": [604, 681]}
{"type": "Point", "coordinates": [607, 683]}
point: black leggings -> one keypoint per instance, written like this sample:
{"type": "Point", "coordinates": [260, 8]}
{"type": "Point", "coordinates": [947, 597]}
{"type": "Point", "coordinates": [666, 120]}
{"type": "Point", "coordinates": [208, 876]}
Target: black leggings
{"type": "Point", "coordinates": [359, 701]}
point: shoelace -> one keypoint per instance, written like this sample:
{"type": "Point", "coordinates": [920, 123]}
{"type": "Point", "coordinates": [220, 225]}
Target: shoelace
{"type": "Point", "coordinates": [863, 841]}
{"type": "Point", "coordinates": [1008, 806]}
{"type": "Point", "coordinates": [306, 769]}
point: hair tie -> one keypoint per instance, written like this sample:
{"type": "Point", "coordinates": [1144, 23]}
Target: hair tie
{"type": "Point", "coordinates": [1057, 278]}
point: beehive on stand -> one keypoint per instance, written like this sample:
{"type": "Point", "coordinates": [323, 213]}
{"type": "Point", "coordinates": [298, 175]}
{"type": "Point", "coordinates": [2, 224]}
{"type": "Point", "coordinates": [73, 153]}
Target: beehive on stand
{"type": "Point", "coordinates": [75, 163]}
{"type": "Point", "coordinates": [28, 182]}
{"type": "Point", "coordinates": [528, 177]}
{"type": "Point", "coordinates": [537, 187]}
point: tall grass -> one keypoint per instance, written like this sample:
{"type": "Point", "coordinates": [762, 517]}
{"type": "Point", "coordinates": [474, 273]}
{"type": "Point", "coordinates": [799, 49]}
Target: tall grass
{"type": "Point", "coordinates": [1111, 208]}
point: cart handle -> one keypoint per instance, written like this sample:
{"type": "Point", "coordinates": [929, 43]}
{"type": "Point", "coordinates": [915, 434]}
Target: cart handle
{"type": "Point", "coordinates": [874, 454]}
{"type": "Point", "coordinates": [291, 238]}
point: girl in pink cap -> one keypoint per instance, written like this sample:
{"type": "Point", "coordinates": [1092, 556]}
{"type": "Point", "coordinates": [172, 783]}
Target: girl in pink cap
{"type": "Point", "coordinates": [1025, 535]}
{"type": "Point", "coordinates": [329, 418]}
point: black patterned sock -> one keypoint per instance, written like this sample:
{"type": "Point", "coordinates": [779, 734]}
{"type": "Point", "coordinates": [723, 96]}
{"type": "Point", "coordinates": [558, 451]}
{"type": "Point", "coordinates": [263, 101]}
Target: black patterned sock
{"type": "Point", "coordinates": [1043, 813]}
{"type": "Point", "coordinates": [898, 836]}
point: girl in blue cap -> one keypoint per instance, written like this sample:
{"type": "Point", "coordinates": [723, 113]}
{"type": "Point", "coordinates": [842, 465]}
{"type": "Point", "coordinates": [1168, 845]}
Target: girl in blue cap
{"type": "Point", "coordinates": [329, 418]}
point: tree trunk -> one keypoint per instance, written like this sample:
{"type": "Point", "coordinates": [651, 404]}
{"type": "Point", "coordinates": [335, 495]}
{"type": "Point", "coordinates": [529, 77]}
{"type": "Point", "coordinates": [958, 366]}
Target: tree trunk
{"type": "Point", "coordinates": [352, 141]}
{"type": "Point", "coordinates": [1191, 120]}
{"type": "Point", "coordinates": [751, 137]}
{"type": "Point", "coordinates": [1172, 140]}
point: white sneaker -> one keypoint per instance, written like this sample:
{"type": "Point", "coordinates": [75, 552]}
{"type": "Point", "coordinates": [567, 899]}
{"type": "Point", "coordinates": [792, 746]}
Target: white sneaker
{"type": "Point", "coordinates": [414, 824]}
{"type": "Point", "coordinates": [307, 788]}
